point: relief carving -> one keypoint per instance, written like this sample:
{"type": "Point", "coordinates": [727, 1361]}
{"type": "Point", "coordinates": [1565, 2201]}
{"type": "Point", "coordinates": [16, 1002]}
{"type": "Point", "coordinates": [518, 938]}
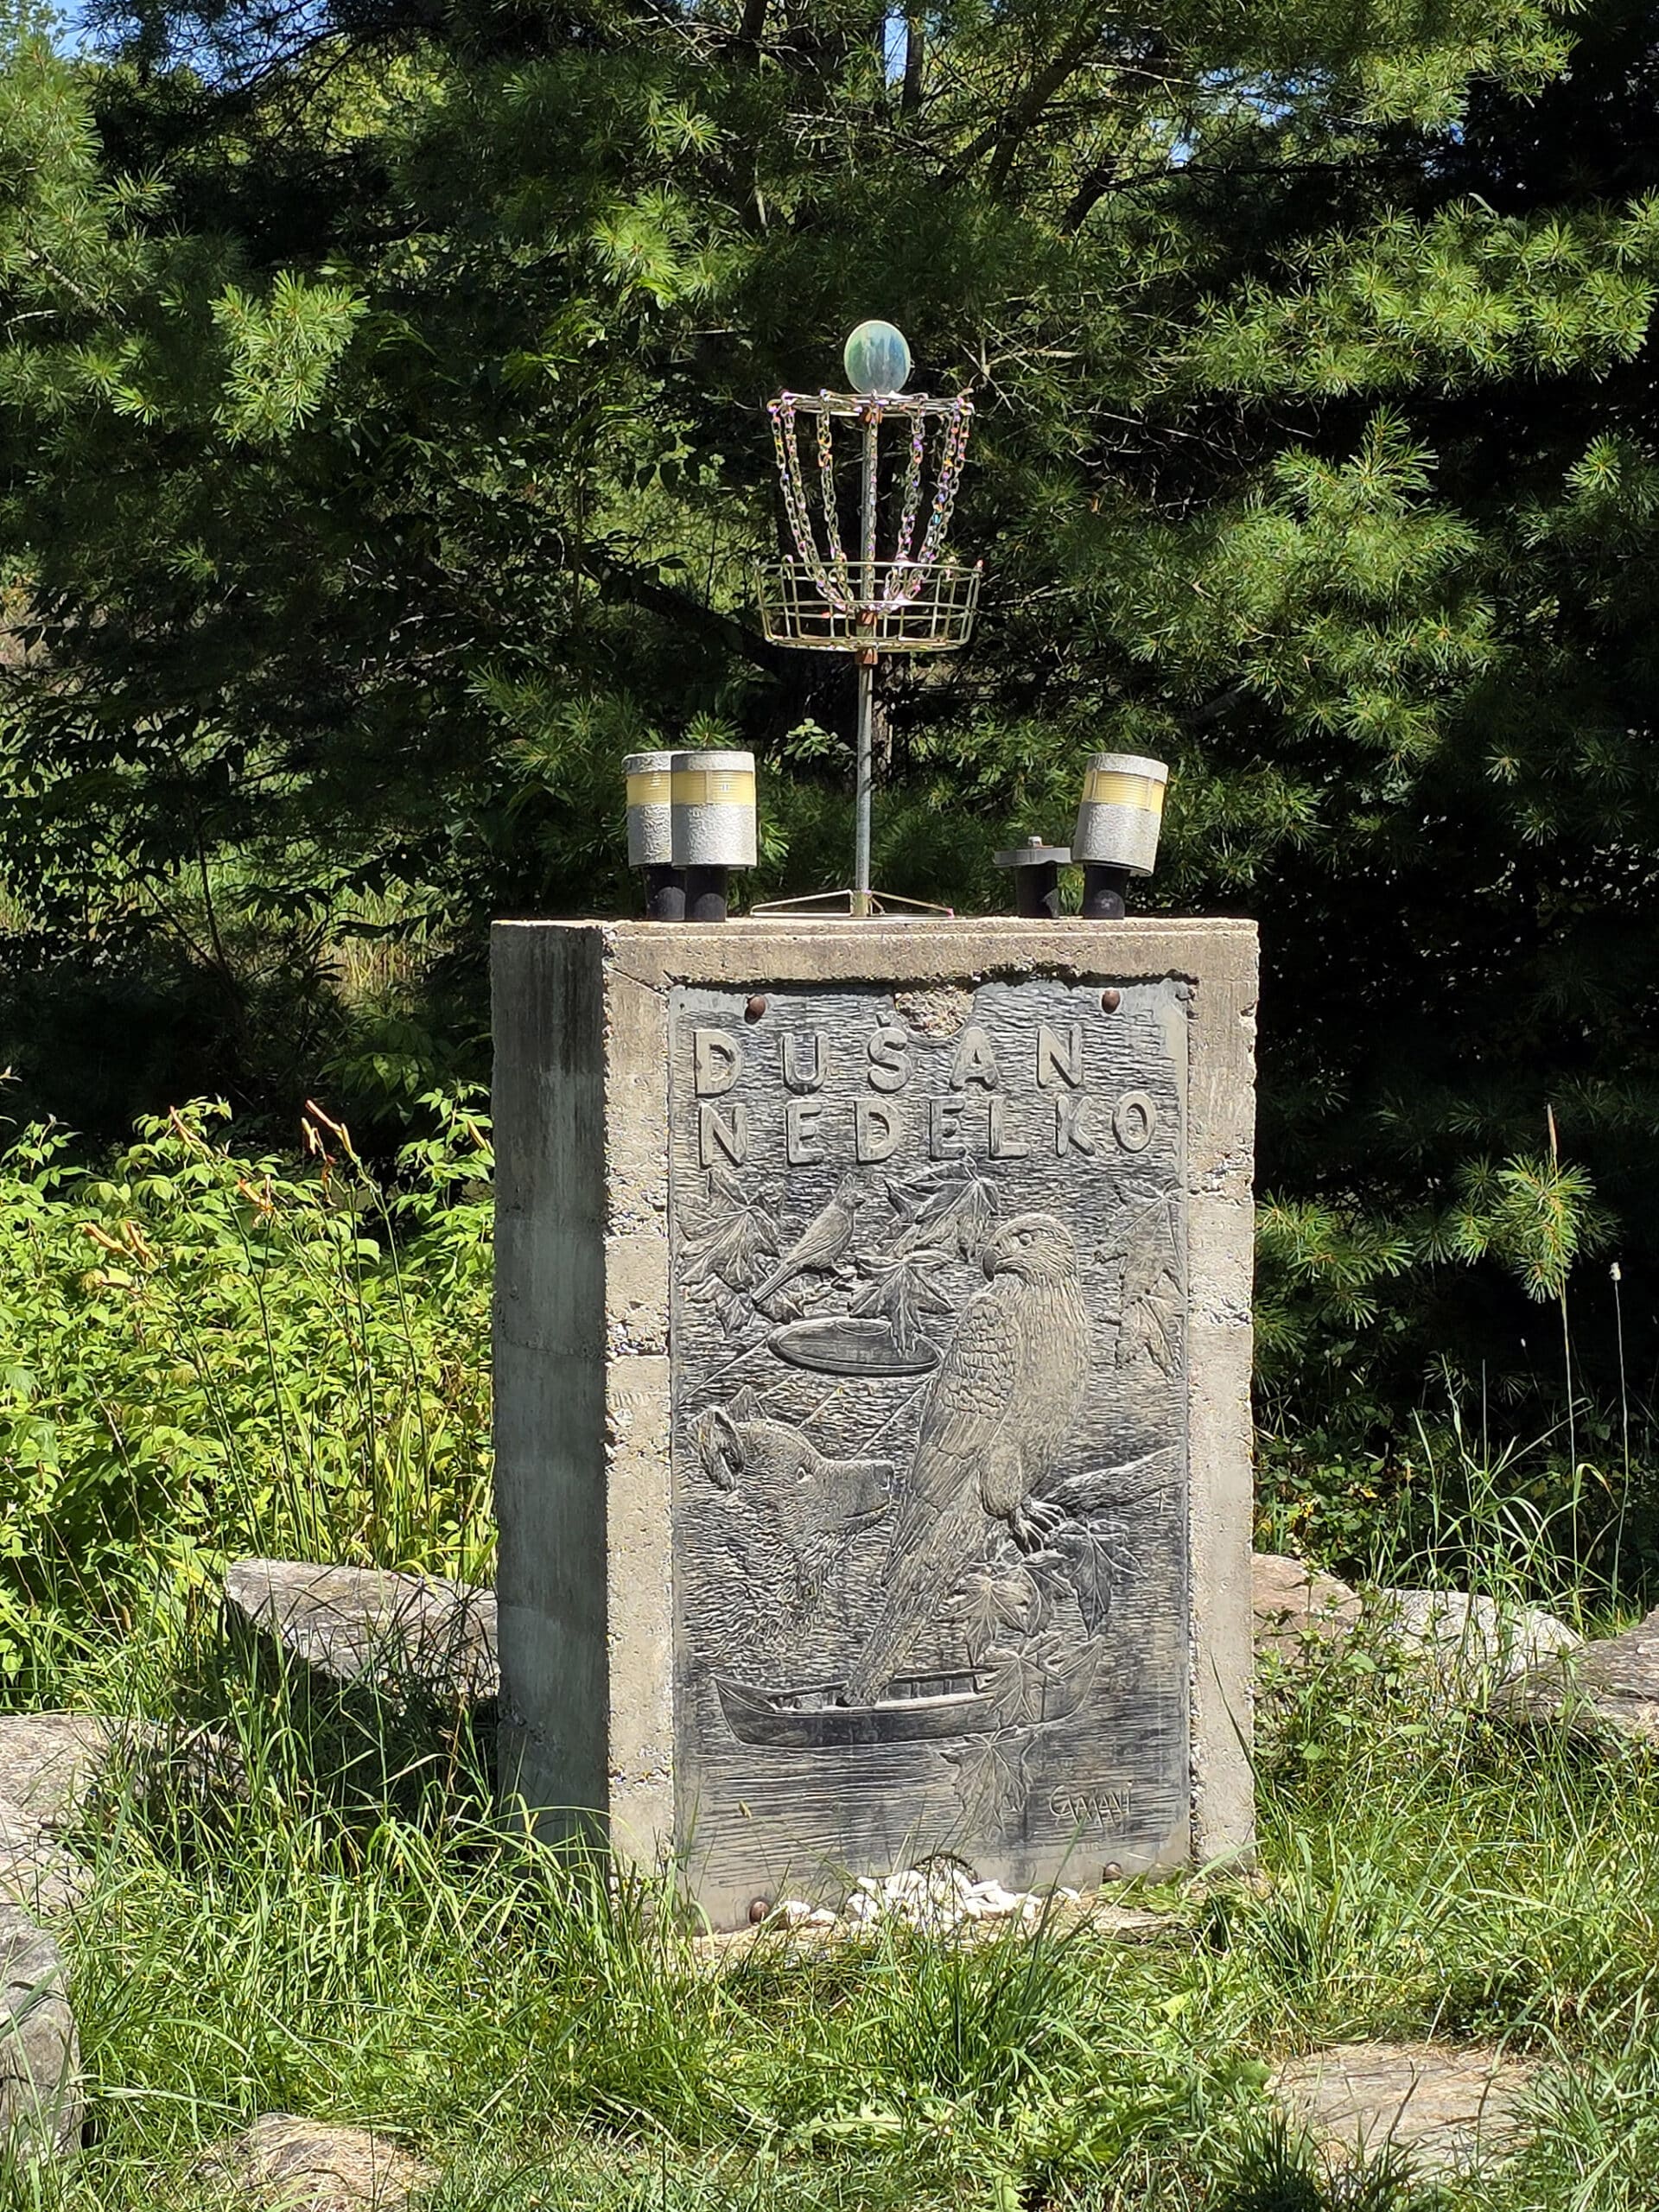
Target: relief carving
{"type": "Point", "coordinates": [930, 1343]}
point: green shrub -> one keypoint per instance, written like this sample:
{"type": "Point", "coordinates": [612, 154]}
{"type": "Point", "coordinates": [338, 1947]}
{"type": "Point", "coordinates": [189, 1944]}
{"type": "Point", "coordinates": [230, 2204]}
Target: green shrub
{"type": "Point", "coordinates": [202, 1353]}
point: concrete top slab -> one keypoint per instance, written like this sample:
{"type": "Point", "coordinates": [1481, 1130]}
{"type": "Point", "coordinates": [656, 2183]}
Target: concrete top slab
{"type": "Point", "coordinates": [748, 951]}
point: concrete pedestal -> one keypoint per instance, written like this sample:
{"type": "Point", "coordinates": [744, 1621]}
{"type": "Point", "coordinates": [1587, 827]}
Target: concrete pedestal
{"type": "Point", "coordinates": [872, 1395]}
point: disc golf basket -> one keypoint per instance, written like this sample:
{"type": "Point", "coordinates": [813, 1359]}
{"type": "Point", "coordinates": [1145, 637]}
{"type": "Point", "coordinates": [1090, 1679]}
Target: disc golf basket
{"type": "Point", "coordinates": [901, 595]}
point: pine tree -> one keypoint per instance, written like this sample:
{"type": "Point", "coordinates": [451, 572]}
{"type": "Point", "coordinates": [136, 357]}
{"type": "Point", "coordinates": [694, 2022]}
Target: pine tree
{"type": "Point", "coordinates": [387, 458]}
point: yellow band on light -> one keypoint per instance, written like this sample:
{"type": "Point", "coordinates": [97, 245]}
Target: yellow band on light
{"type": "Point", "coordinates": [713, 786]}
{"type": "Point", "coordinates": [649, 789]}
{"type": "Point", "coordinates": [1111, 787]}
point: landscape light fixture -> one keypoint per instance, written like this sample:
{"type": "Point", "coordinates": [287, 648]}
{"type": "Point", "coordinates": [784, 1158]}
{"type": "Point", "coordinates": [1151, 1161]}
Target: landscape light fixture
{"type": "Point", "coordinates": [1118, 821]}
{"type": "Point", "coordinates": [896, 593]}
{"type": "Point", "coordinates": [711, 825]}
{"type": "Point", "coordinates": [1036, 868]}
{"type": "Point", "coordinates": [650, 845]}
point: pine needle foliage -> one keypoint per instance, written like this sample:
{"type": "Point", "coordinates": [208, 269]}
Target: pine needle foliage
{"type": "Point", "coordinates": [381, 456]}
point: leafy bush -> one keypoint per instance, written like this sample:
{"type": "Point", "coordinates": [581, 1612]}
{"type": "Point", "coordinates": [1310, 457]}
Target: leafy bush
{"type": "Point", "coordinates": [202, 1353]}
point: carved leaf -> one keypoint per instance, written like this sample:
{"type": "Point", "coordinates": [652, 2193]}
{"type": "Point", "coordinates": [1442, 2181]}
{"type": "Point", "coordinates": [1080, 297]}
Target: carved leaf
{"type": "Point", "coordinates": [990, 1605]}
{"type": "Point", "coordinates": [1150, 1315]}
{"type": "Point", "coordinates": [723, 1184]}
{"type": "Point", "coordinates": [734, 1315]}
{"type": "Point", "coordinates": [1092, 1564]}
{"type": "Point", "coordinates": [901, 1287]}
{"type": "Point", "coordinates": [1022, 1676]}
{"type": "Point", "coordinates": [991, 1781]}
{"type": "Point", "coordinates": [952, 1208]}
{"type": "Point", "coordinates": [732, 1248]}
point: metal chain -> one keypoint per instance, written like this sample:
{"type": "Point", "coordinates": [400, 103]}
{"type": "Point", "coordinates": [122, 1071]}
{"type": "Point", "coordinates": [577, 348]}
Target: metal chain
{"type": "Point", "coordinates": [958, 425]}
{"type": "Point", "coordinates": [830, 573]}
{"type": "Point", "coordinates": [849, 595]}
{"type": "Point", "coordinates": [912, 490]}
{"type": "Point", "coordinates": [796, 509]}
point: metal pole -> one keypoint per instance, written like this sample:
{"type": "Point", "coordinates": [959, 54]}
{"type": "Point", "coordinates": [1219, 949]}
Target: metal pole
{"type": "Point", "coordinates": [865, 784]}
{"type": "Point", "coordinates": [866, 769]}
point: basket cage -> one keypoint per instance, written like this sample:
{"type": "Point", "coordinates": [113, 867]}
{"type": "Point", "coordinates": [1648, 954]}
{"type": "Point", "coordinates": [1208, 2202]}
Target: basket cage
{"type": "Point", "coordinates": [906, 610]}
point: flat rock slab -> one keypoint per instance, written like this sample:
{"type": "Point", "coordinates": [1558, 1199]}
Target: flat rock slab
{"type": "Point", "coordinates": [284, 2163]}
{"type": "Point", "coordinates": [35, 1872]}
{"type": "Point", "coordinates": [1472, 1645]}
{"type": "Point", "coordinates": [1447, 2107]}
{"type": "Point", "coordinates": [53, 1764]}
{"type": "Point", "coordinates": [1292, 1601]}
{"type": "Point", "coordinates": [41, 2107]}
{"type": "Point", "coordinates": [50, 1763]}
{"type": "Point", "coordinates": [368, 1628]}
{"type": "Point", "coordinates": [1607, 1688]}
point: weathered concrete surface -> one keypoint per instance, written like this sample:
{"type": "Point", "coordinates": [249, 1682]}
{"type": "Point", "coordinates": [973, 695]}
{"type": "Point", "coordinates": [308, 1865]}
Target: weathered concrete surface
{"type": "Point", "coordinates": [40, 2106]}
{"type": "Point", "coordinates": [1471, 1646]}
{"type": "Point", "coordinates": [586, 1021]}
{"type": "Point", "coordinates": [1292, 1602]}
{"type": "Point", "coordinates": [285, 2163]}
{"type": "Point", "coordinates": [398, 1635]}
{"type": "Point", "coordinates": [1448, 2106]}
{"type": "Point", "coordinates": [1610, 1687]}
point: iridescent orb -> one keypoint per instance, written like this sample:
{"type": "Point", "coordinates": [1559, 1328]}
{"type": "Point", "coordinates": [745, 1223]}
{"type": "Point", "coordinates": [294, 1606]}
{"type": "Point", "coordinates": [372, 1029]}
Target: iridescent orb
{"type": "Point", "coordinates": [877, 359]}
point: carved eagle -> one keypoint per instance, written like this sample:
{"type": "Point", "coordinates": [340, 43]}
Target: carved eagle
{"type": "Point", "coordinates": [1000, 1410]}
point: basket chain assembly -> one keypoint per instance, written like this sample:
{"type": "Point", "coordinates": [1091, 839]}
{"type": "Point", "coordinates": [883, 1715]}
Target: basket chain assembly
{"type": "Point", "coordinates": [822, 599]}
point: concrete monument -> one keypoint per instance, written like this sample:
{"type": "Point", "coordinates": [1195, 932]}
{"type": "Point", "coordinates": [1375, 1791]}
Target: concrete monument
{"type": "Point", "coordinates": [873, 1368]}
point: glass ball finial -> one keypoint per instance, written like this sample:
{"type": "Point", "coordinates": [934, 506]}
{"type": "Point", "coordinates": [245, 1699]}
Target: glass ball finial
{"type": "Point", "coordinates": [877, 359]}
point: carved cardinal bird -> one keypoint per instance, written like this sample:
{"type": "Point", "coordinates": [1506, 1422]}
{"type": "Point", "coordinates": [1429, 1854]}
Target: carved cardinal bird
{"type": "Point", "coordinates": [820, 1244]}
{"type": "Point", "coordinates": [1001, 1407]}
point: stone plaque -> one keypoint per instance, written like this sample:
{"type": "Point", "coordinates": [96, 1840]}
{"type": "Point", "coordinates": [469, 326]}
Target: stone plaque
{"type": "Point", "coordinates": [929, 1431]}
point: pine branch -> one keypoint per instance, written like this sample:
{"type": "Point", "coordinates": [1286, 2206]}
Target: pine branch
{"type": "Point", "coordinates": [1002, 138]}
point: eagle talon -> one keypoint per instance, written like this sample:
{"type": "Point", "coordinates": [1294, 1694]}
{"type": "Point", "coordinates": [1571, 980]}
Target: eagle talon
{"type": "Point", "coordinates": [1033, 1523]}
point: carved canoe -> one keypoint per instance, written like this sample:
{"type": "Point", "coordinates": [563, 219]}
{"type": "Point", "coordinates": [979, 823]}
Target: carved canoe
{"type": "Point", "coordinates": [922, 1708]}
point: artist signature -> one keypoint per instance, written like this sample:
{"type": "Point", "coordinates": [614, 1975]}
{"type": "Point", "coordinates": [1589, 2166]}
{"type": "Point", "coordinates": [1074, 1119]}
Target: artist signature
{"type": "Point", "coordinates": [1105, 1807]}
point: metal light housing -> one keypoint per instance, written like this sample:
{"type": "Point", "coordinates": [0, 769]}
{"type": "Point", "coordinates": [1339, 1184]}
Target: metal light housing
{"type": "Point", "coordinates": [711, 805]}
{"type": "Point", "coordinates": [649, 833]}
{"type": "Point", "coordinates": [1121, 814]}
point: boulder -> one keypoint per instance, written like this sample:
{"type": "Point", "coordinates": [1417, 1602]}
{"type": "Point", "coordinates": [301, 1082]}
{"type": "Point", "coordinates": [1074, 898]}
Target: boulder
{"type": "Point", "coordinates": [1292, 1602]}
{"type": "Point", "coordinates": [41, 2107]}
{"type": "Point", "coordinates": [53, 1766]}
{"type": "Point", "coordinates": [283, 2163]}
{"type": "Point", "coordinates": [36, 1873]}
{"type": "Point", "coordinates": [1471, 1646]}
{"type": "Point", "coordinates": [50, 1763]}
{"type": "Point", "coordinates": [400, 1635]}
{"type": "Point", "coordinates": [1447, 2108]}
{"type": "Point", "coordinates": [1610, 1687]}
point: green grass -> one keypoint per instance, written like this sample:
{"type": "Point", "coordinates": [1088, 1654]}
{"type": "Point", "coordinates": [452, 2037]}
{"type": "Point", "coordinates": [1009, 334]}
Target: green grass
{"type": "Point", "coordinates": [212, 1353]}
{"type": "Point", "coordinates": [360, 1941]}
